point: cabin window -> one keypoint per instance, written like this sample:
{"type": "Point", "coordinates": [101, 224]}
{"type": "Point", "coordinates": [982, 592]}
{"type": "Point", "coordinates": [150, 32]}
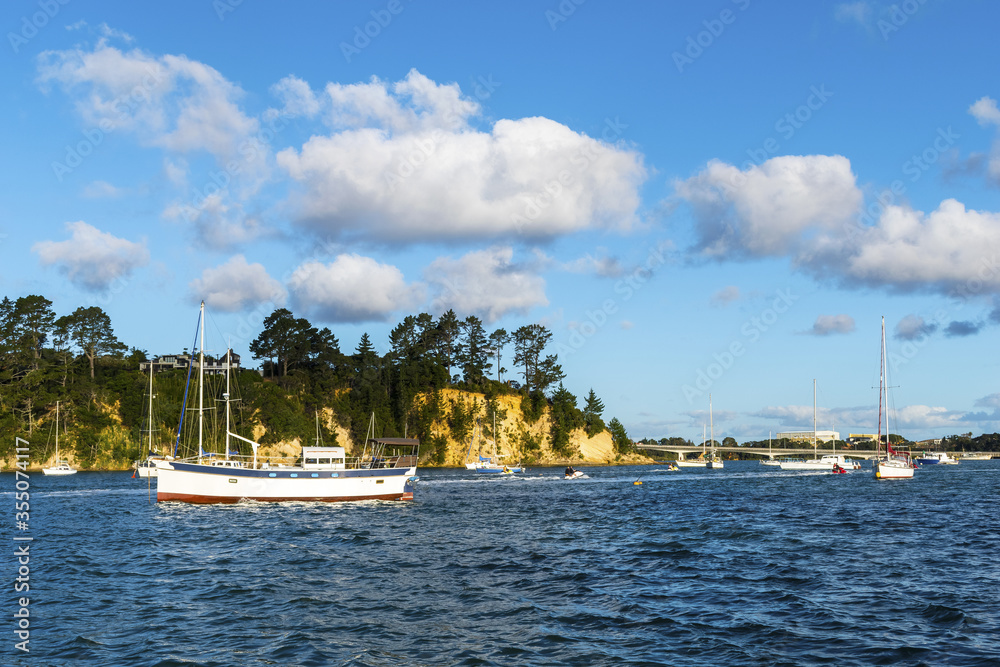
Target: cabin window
{"type": "Point", "coordinates": [232, 481]}
{"type": "Point", "coordinates": [312, 461]}
{"type": "Point", "coordinates": [324, 462]}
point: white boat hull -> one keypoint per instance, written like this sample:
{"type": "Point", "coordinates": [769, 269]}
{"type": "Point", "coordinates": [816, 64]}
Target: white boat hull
{"type": "Point", "coordinates": [893, 469]}
{"type": "Point", "coordinates": [200, 483]}
{"type": "Point", "coordinates": [59, 470]}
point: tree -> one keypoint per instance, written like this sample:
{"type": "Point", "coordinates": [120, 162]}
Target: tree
{"type": "Point", "coordinates": [286, 339]}
{"type": "Point", "coordinates": [32, 320]}
{"type": "Point", "coordinates": [729, 441]}
{"type": "Point", "coordinates": [592, 411]}
{"type": "Point", "coordinates": [473, 351]}
{"type": "Point", "coordinates": [90, 330]}
{"type": "Point", "coordinates": [565, 417]}
{"type": "Point", "coordinates": [447, 336]}
{"type": "Point", "coordinates": [619, 436]}
{"type": "Point", "coordinates": [529, 341]}
{"type": "Point", "coordinates": [497, 340]}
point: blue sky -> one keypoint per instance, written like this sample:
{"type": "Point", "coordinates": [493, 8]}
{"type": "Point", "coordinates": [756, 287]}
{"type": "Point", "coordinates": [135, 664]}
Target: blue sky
{"type": "Point", "coordinates": [696, 198]}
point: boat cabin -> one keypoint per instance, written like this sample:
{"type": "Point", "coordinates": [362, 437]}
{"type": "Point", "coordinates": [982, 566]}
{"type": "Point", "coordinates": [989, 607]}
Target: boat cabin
{"type": "Point", "coordinates": [323, 458]}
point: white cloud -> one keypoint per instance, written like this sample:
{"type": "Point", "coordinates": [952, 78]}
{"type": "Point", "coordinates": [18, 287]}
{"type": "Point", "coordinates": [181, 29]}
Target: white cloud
{"type": "Point", "coordinates": [913, 327]}
{"type": "Point", "coordinates": [769, 209]}
{"type": "Point", "coordinates": [218, 222]}
{"type": "Point", "coordinates": [485, 283]}
{"type": "Point", "coordinates": [985, 111]}
{"type": "Point", "coordinates": [92, 259]}
{"type": "Point", "coordinates": [296, 96]}
{"type": "Point", "coordinates": [404, 163]}
{"type": "Point", "coordinates": [950, 248]}
{"type": "Point", "coordinates": [352, 288]}
{"type": "Point", "coordinates": [832, 324]}
{"type": "Point", "coordinates": [101, 190]}
{"type": "Point", "coordinates": [602, 265]}
{"type": "Point", "coordinates": [237, 285]}
{"type": "Point", "coordinates": [169, 101]}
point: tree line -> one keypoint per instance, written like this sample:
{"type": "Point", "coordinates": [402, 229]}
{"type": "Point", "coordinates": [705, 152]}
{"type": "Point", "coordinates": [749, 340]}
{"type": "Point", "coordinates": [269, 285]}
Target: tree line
{"type": "Point", "coordinates": [77, 359]}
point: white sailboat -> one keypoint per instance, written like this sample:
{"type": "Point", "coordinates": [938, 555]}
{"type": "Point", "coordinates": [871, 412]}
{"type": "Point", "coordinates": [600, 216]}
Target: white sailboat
{"type": "Point", "coordinates": [147, 467]}
{"type": "Point", "coordinates": [714, 460]}
{"type": "Point", "coordinates": [491, 463]}
{"type": "Point", "coordinates": [830, 462]}
{"type": "Point", "coordinates": [895, 463]}
{"type": "Point", "coordinates": [386, 469]}
{"type": "Point", "coordinates": [770, 460]}
{"type": "Point", "coordinates": [61, 467]}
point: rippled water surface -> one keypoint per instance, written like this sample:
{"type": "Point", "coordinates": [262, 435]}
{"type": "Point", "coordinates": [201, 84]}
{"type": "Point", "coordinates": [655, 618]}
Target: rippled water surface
{"type": "Point", "coordinates": [741, 566]}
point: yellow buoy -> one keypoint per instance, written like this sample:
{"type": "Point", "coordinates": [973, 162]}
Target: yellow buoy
{"type": "Point", "coordinates": [637, 483]}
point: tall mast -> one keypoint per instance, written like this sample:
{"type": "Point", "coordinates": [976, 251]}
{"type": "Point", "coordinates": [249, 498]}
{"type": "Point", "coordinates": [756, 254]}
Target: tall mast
{"type": "Point", "coordinates": [57, 432]}
{"type": "Point", "coordinates": [150, 413]}
{"type": "Point", "coordinates": [711, 424]}
{"type": "Point", "coordinates": [228, 355]}
{"type": "Point", "coordinates": [814, 418]}
{"type": "Point", "coordinates": [881, 385]}
{"type": "Point", "coordinates": [201, 380]}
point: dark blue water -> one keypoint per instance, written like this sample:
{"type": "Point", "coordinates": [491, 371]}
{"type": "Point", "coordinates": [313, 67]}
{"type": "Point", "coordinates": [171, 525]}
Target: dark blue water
{"type": "Point", "coordinates": [741, 566]}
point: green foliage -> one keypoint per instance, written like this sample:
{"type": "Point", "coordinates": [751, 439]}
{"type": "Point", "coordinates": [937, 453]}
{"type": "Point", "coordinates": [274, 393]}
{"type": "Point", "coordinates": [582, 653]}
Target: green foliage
{"type": "Point", "coordinates": [533, 406]}
{"type": "Point", "coordinates": [565, 417]}
{"type": "Point", "coordinates": [619, 436]}
{"type": "Point", "coordinates": [592, 412]}
{"type": "Point", "coordinates": [460, 419]}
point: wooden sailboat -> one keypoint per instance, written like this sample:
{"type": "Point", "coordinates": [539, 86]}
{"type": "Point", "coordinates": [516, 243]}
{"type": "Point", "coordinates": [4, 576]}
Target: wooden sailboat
{"type": "Point", "coordinates": [61, 467]}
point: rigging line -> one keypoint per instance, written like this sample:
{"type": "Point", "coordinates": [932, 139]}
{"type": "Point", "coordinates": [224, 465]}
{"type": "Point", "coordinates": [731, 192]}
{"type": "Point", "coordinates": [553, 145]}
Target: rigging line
{"type": "Point", "coordinates": [187, 385]}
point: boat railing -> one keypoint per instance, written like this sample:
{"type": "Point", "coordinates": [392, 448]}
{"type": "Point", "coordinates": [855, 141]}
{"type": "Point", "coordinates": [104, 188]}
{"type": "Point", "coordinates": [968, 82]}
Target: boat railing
{"type": "Point", "coordinates": [277, 462]}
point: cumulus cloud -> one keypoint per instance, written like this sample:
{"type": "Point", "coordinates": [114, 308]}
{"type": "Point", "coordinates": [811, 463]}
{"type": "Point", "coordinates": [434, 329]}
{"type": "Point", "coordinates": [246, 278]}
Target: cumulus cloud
{"type": "Point", "coordinates": [404, 163]}
{"type": "Point", "coordinates": [726, 295]}
{"type": "Point", "coordinates": [485, 283]}
{"type": "Point", "coordinates": [219, 223]}
{"type": "Point", "coordinates": [946, 250]}
{"type": "Point", "coordinates": [985, 111]}
{"type": "Point", "coordinates": [237, 285]}
{"type": "Point", "coordinates": [92, 259]}
{"type": "Point", "coordinates": [296, 96]}
{"type": "Point", "coordinates": [832, 324]}
{"type": "Point", "coordinates": [770, 209]}
{"type": "Point", "coordinates": [352, 288]}
{"type": "Point", "coordinates": [168, 101]}
{"type": "Point", "coordinates": [913, 327]}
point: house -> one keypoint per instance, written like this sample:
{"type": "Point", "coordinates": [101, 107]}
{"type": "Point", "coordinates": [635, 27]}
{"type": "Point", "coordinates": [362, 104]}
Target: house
{"type": "Point", "coordinates": [213, 365]}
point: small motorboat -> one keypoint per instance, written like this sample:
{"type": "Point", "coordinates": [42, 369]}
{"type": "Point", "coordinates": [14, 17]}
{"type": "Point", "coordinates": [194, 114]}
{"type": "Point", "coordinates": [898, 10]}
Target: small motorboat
{"type": "Point", "coordinates": [573, 474]}
{"type": "Point", "coordinates": [838, 470]}
{"type": "Point", "coordinates": [672, 467]}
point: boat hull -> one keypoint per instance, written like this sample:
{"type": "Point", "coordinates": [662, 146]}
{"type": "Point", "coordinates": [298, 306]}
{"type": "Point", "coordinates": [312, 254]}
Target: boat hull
{"type": "Point", "coordinates": [893, 470]}
{"type": "Point", "coordinates": [206, 484]}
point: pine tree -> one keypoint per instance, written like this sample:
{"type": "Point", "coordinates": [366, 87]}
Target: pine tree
{"type": "Point", "coordinates": [592, 414]}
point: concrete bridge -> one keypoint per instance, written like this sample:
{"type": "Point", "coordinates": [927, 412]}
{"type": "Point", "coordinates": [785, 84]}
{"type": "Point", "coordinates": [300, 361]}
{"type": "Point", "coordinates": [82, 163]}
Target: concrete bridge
{"type": "Point", "coordinates": [778, 452]}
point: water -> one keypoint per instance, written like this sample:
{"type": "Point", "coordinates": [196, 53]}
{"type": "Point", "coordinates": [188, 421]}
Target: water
{"type": "Point", "coordinates": [741, 566]}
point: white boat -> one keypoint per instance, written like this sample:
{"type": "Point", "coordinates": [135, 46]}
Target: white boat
{"type": "Point", "coordinates": [61, 467]}
{"type": "Point", "coordinates": [895, 463]}
{"type": "Point", "coordinates": [490, 463]}
{"type": "Point", "coordinates": [770, 460]}
{"type": "Point", "coordinates": [386, 469]}
{"type": "Point", "coordinates": [574, 474]}
{"type": "Point", "coordinates": [974, 457]}
{"type": "Point", "coordinates": [714, 460]}
{"type": "Point", "coordinates": [147, 467]}
{"type": "Point", "coordinates": [933, 458]}
{"type": "Point", "coordinates": [829, 462]}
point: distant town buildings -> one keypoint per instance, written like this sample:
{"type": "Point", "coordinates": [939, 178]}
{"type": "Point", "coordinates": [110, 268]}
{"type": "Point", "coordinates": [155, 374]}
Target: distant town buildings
{"type": "Point", "coordinates": [807, 436]}
{"type": "Point", "coordinates": [213, 365]}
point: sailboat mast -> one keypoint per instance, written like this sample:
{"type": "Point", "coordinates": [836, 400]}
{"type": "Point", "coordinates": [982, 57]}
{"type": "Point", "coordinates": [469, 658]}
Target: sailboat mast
{"type": "Point", "coordinates": [150, 413]}
{"type": "Point", "coordinates": [228, 354]}
{"type": "Point", "coordinates": [814, 418]}
{"type": "Point", "coordinates": [201, 380]}
{"type": "Point", "coordinates": [881, 387]}
{"type": "Point", "coordinates": [711, 424]}
{"type": "Point", "coordinates": [57, 432]}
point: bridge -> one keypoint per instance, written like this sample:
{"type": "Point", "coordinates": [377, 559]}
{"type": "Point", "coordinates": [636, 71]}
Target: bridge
{"type": "Point", "coordinates": [778, 452]}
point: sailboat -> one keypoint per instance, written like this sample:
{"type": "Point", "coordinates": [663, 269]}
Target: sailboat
{"type": "Point", "coordinates": [714, 460]}
{"type": "Point", "coordinates": [770, 460]}
{"type": "Point", "coordinates": [147, 467]}
{"type": "Point", "coordinates": [386, 469]}
{"type": "Point", "coordinates": [61, 467]}
{"type": "Point", "coordinates": [896, 463]}
{"type": "Point", "coordinates": [830, 462]}
{"type": "Point", "coordinates": [491, 463]}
